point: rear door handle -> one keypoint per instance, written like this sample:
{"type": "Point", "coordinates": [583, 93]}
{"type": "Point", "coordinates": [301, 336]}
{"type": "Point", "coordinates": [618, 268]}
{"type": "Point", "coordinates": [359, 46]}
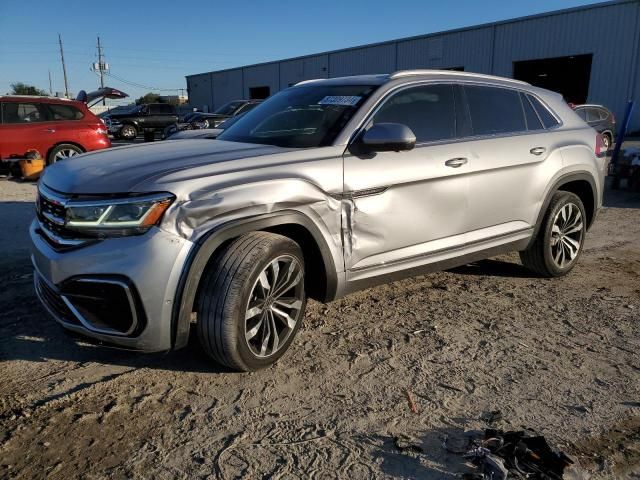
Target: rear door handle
{"type": "Point", "coordinates": [456, 162]}
{"type": "Point", "coordinates": [49, 130]}
{"type": "Point", "coordinates": [537, 150]}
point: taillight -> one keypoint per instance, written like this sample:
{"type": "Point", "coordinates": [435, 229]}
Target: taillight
{"type": "Point", "coordinates": [601, 148]}
{"type": "Point", "coordinates": [100, 128]}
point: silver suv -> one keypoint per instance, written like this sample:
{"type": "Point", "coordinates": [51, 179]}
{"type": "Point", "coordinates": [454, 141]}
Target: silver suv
{"type": "Point", "coordinates": [327, 187]}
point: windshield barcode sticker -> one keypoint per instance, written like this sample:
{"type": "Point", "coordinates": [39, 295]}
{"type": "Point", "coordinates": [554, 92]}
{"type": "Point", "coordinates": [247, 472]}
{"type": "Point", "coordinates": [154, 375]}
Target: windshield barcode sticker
{"type": "Point", "coordinates": [347, 100]}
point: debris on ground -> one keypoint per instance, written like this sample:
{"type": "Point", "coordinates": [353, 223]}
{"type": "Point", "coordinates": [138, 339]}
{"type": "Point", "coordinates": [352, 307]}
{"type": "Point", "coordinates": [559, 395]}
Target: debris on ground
{"type": "Point", "coordinates": [412, 404]}
{"type": "Point", "coordinates": [515, 455]}
{"type": "Point", "coordinates": [406, 443]}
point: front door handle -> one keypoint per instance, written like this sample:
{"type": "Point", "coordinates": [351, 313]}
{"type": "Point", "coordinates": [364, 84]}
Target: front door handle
{"type": "Point", "coordinates": [537, 150]}
{"type": "Point", "coordinates": [456, 162]}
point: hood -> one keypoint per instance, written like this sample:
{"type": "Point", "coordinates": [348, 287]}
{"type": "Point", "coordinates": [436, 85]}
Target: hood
{"type": "Point", "coordinates": [125, 169]}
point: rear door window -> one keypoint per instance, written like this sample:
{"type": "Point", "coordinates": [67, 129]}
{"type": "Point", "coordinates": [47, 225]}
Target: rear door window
{"type": "Point", "coordinates": [548, 120]}
{"type": "Point", "coordinates": [429, 111]}
{"type": "Point", "coordinates": [24, 112]}
{"type": "Point", "coordinates": [593, 115]}
{"type": "Point", "coordinates": [64, 112]}
{"type": "Point", "coordinates": [495, 110]}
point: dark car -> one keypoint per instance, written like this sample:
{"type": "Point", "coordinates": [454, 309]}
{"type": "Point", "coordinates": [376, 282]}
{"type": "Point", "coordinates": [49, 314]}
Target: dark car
{"type": "Point", "coordinates": [601, 119]}
{"type": "Point", "coordinates": [149, 117]}
{"type": "Point", "coordinates": [209, 133]}
{"type": "Point", "coordinates": [198, 120]}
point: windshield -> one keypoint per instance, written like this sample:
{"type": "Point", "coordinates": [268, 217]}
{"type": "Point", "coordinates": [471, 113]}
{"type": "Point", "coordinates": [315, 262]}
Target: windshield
{"type": "Point", "coordinates": [300, 117]}
{"type": "Point", "coordinates": [229, 108]}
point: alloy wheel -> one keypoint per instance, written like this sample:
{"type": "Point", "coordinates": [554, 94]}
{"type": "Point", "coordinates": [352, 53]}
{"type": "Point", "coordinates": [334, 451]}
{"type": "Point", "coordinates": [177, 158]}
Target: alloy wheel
{"type": "Point", "coordinates": [275, 306]}
{"type": "Point", "coordinates": [64, 153]}
{"type": "Point", "coordinates": [566, 235]}
{"type": "Point", "coordinates": [128, 132]}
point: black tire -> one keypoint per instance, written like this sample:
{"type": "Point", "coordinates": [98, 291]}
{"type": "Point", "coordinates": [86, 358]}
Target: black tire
{"type": "Point", "coordinates": [128, 132]}
{"type": "Point", "coordinates": [58, 150]}
{"type": "Point", "coordinates": [608, 140]}
{"type": "Point", "coordinates": [227, 287]}
{"type": "Point", "coordinates": [538, 257]}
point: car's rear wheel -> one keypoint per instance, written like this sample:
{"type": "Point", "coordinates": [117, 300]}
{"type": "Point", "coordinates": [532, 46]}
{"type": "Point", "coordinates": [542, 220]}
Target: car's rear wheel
{"type": "Point", "coordinates": [62, 152]}
{"type": "Point", "coordinates": [559, 243]}
{"type": "Point", "coordinates": [252, 301]}
{"type": "Point", "coordinates": [129, 132]}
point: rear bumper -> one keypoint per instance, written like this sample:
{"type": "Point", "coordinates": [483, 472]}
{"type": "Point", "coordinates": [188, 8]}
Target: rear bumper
{"type": "Point", "coordinates": [146, 270]}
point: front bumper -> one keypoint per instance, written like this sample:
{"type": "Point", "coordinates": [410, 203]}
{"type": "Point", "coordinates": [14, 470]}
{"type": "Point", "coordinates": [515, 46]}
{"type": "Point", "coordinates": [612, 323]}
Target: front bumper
{"type": "Point", "coordinates": [150, 266]}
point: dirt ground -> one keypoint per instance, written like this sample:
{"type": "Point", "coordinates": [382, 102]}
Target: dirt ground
{"type": "Point", "coordinates": [556, 356]}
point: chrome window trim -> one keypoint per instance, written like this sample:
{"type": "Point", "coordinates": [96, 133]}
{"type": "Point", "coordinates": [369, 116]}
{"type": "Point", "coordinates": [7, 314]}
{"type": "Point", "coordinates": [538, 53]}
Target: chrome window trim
{"type": "Point", "coordinates": [398, 88]}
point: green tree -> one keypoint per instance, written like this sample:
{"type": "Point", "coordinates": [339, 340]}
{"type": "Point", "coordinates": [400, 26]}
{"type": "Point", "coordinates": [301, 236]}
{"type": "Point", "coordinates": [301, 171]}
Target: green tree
{"type": "Point", "coordinates": [149, 98]}
{"type": "Point", "coordinates": [20, 88]}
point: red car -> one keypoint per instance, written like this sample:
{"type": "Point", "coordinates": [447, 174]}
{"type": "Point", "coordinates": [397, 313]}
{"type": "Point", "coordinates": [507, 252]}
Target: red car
{"type": "Point", "coordinates": [56, 127]}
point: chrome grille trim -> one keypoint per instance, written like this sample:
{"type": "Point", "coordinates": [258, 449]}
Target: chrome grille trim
{"type": "Point", "coordinates": [51, 214]}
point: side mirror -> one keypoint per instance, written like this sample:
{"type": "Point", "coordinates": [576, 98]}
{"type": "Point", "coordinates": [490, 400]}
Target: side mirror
{"type": "Point", "coordinates": [388, 137]}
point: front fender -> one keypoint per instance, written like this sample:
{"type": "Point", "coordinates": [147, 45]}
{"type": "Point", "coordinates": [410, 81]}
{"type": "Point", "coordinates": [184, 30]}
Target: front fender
{"type": "Point", "coordinates": [213, 239]}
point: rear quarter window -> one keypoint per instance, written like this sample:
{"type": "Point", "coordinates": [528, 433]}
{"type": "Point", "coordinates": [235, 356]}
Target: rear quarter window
{"type": "Point", "coordinates": [495, 110]}
{"type": "Point", "coordinates": [548, 120]}
{"type": "Point", "coordinates": [64, 112]}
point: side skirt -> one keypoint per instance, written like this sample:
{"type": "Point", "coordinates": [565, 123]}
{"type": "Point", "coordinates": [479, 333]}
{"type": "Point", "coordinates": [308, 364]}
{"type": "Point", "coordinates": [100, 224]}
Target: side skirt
{"type": "Point", "coordinates": [434, 266]}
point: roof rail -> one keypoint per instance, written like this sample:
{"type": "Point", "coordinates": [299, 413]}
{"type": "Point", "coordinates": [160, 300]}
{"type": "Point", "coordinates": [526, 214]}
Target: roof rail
{"type": "Point", "coordinates": [408, 73]}
{"type": "Point", "coordinates": [309, 81]}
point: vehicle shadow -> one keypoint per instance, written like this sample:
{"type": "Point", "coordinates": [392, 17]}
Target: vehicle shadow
{"type": "Point", "coordinates": [426, 458]}
{"type": "Point", "coordinates": [494, 268]}
{"type": "Point", "coordinates": [28, 333]}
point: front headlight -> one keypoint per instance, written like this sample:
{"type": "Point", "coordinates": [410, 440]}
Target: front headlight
{"type": "Point", "coordinates": [117, 217]}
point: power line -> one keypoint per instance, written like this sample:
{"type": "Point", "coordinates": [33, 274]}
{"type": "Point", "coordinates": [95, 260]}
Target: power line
{"type": "Point", "coordinates": [139, 85]}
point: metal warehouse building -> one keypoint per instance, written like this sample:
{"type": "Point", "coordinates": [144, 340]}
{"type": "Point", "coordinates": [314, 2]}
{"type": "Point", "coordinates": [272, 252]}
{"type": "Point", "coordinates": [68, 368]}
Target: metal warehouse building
{"type": "Point", "coordinates": [589, 54]}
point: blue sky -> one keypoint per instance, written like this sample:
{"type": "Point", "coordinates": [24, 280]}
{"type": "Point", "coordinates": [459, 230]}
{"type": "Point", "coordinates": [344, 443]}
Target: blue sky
{"type": "Point", "coordinates": [157, 43]}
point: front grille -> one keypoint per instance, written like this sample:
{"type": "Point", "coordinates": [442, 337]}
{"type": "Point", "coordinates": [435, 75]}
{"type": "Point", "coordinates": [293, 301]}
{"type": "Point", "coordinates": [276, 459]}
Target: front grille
{"type": "Point", "coordinates": [54, 302]}
{"type": "Point", "coordinates": [51, 213]}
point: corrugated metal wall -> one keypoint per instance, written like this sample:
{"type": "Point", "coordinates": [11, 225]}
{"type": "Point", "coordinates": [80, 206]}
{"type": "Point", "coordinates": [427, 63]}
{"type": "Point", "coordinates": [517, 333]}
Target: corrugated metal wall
{"type": "Point", "coordinates": [471, 49]}
{"type": "Point", "coordinates": [199, 89]}
{"type": "Point", "coordinates": [606, 32]}
{"type": "Point", "coordinates": [610, 32]}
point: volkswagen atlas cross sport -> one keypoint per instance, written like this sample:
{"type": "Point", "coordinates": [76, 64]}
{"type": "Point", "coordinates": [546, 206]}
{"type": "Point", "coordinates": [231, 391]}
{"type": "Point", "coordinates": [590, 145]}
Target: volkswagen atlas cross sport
{"type": "Point", "coordinates": [327, 187]}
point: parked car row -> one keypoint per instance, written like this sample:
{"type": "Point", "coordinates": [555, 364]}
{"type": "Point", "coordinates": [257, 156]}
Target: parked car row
{"type": "Point", "coordinates": [199, 120]}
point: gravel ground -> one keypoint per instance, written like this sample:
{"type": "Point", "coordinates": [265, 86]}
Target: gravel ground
{"type": "Point", "coordinates": [557, 356]}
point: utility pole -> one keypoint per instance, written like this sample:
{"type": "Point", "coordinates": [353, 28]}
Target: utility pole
{"type": "Point", "coordinates": [50, 87]}
{"type": "Point", "coordinates": [64, 68]}
{"type": "Point", "coordinates": [102, 67]}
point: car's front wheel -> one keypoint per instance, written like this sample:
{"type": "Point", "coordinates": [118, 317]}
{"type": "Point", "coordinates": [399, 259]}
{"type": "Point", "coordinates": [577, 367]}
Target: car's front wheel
{"type": "Point", "coordinates": [558, 245]}
{"type": "Point", "coordinates": [252, 301]}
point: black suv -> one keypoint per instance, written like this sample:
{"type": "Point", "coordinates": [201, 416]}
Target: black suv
{"type": "Point", "coordinates": [198, 120]}
{"type": "Point", "coordinates": [150, 117]}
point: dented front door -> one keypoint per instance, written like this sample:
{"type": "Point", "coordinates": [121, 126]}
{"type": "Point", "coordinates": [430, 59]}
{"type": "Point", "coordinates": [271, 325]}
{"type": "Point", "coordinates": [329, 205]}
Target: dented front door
{"type": "Point", "coordinates": [401, 207]}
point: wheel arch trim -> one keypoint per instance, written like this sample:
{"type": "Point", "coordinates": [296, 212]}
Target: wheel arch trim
{"type": "Point", "coordinates": [563, 180]}
{"type": "Point", "coordinates": [206, 246]}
